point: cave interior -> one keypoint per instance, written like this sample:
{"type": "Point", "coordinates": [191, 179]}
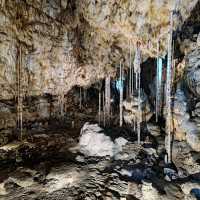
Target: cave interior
{"type": "Point", "coordinates": [99, 100]}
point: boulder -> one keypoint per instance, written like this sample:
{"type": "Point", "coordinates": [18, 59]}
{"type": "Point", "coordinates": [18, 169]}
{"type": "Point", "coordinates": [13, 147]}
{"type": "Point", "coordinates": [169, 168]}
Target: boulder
{"type": "Point", "coordinates": [6, 136]}
{"type": "Point", "coordinates": [153, 129]}
{"type": "Point", "coordinates": [185, 159]}
{"type": "Point", "coordinates": [93, 142]}
{"type": "Point", "coordinates": [149, 192]}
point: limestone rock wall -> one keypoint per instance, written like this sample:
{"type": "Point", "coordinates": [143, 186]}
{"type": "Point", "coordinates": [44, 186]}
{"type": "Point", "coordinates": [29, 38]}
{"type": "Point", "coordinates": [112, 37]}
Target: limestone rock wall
{"type": "Point", "coordinates": [67, 42]}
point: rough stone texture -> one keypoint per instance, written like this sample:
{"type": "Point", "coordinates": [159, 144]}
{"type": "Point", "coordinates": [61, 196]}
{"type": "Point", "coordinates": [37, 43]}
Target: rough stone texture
{"type": "Point", "coordinates": [183, 127]}
{"type": "Point", "coordinates": [48, 56]}
{"type": "Point", "coordinates": [185, 159]}
{"type": "Point", "coordinates": [77, 41]}
{"type": "Point", "coordinates": [131, 113]}
{"type": "Point", "coordinates": [136, 172]}
{"type": "Point", "coordinates": [193, 72]}
{"type": "Point", "coordinates": [132, 20]}
{"type": "Point", "coordinates": [95, 178]}
{"type": "Point", "coordinates": [153, 129]}
{"type": "Point", "coordinates": [38, 145]}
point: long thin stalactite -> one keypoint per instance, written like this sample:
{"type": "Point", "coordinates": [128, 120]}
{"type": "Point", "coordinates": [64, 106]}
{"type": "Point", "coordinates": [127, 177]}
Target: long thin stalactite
{"type": "Point", "coordinates": [61, 96]}
{"type": "Point", "coordinates": [121, 96]}
{"type": "Point", "coordinates": [107, 99]}
{"type": "Point", "coordinates": [99, 107]}
{"type": "Point", "coordinates": [20, 95]}
{"type": "Point", "coordinates": [168, 91]}
{"type": "Point", "coordinates": [137, 71]}
{"type": "Point", "coordinates": [158, 83]}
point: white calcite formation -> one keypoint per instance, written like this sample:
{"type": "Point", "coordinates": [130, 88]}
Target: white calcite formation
{"type": "Point", "coordinates": [93, 142]}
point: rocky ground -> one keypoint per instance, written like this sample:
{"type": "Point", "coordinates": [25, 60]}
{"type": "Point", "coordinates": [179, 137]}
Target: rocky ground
{"type": "Point", "coordinates": [60, 167]}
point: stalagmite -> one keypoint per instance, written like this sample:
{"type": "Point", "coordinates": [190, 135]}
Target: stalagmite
{"type": "Point", "coordinates": [168, 91]}
{"type": "Point", "coordinates": [158, 83]}
{"type": "Point", "coordinates": [107, 99]}
{"type": "Point", "coordinates": [121, 96]}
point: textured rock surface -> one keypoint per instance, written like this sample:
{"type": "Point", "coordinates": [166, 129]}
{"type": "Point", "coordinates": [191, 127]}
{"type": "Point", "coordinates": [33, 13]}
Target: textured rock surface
{"type": "Point", "coordinates": [131, 109]}
{"type": "Point", "coordinates": [193, 72]}
{"type": "Point", "coordinates": [183, 127]}
{"type": "Point", "coordinates": [133, 177]}
{"type": "Point", "coordinates": [76, 40]}
{"type": "Point", "coordinates": [185, 159]}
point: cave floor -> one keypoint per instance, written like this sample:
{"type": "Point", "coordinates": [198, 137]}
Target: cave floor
{"type": "Point", "coordinates": [49, 166]}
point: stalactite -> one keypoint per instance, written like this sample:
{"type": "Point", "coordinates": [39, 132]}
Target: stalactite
{"type": "Point", "coordinates": [61, 96]}
{"type": "Point", "coordinates": [20, 96]}
{"type": "Point", "coordinates": [139, 120]}
{"type": "Point", "coordinates": [80, 98]}
{"type": "Point", "coordinates": [107, 99]}
{"type": "Point", "coordinates": [132, 80]}
{"type": "Point", "coordinates": [104, 118]}
{"type": "Point", "coordinates": [130, 71]}
{"type": "Point", "coordinates": [121, 96]}
{"type": "Point", "coordinates": [99, 106]}
{"type": "Point", "coordinates": [168, 90]}
{"type": "Point", "coordinates": [2, 3]}
{"type": "Point", "coordinates": [158, 84]}
{"type": "Point", "coordinates": [137, 61]}
{"type": "Point", "coordinates": [85, 96]}
{"type": "Point", "coordinates": [134, 121]}
{"type": "Point", "coordinates": [136, 80]}
{"type": "Point", "coordinates": [173, 63]}
{"type": "Point", "coordinates": [137, 71]}
{"type": "Point", "coordinates": [127, 88]}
